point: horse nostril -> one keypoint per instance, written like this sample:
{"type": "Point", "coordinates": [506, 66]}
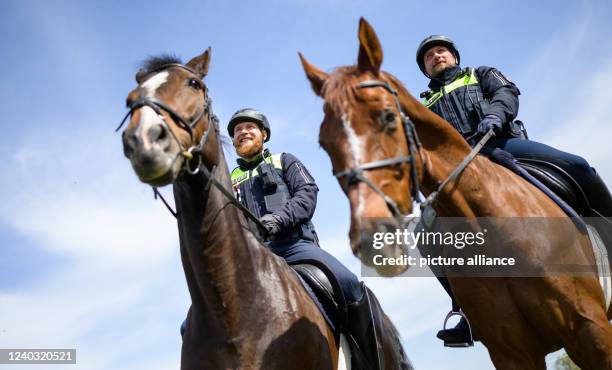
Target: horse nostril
{"type": "Point", "coordinates": [129, 140]}
{"type": "Point", "coordinates": [158, 134]}
{"type": "Point", "coordinates": [162, 134]}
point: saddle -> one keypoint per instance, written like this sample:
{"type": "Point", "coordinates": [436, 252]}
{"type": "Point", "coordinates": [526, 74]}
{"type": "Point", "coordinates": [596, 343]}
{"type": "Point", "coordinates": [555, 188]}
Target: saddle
{"type": "Point", "coordinates": [362, 333]}
{"type": "Point", "coordinates": [324, 289]}
{"type": "Point", "coordinates": [559, 182]}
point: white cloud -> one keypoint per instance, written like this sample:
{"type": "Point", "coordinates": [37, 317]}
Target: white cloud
{"type": "Point", "coordinates": [586, 129]}
{"type": "Point", "coordinates": [81, 205]}
{"type": "Point", "coordinates": [566, 95]}
{"type": "Point", "coordinates": [118, 243]}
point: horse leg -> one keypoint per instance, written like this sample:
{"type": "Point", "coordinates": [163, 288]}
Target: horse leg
{"type": "Point", "coordinates": [514, 345]}
{"type": "Point", "coordinates": [590, 346]}
{"type": "Point", "coordinates": [499, 323]}
{"type": "Point", "coordinates": [570, 309]}
{"type": "Point", "coordinates": [517, 360]}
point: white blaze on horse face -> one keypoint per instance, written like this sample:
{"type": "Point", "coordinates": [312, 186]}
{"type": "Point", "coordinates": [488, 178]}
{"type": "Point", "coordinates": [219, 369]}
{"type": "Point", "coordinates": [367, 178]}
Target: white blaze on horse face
{"type": "Point", "coordinates": [356, 147]}
{"type": "Point", "coordinates": [152, 84]}
{"type": "Point", "coordinates": [148, 117]}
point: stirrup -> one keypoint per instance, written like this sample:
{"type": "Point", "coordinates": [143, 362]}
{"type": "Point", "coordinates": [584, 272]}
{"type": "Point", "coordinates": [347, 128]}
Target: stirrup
{"type": "Point", "coordinates": [470, 342]}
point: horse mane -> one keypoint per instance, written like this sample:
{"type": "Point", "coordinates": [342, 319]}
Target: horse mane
{"type": "Point", "coordinates": [339, 89]}
{"type": "Point", "coordinates": [395, 81]}
{"type": "Point", "coordinates": [405, 363]}
{"type": "Point", "coordinates": [155, 62]}
{"type": "Point", "coordinates": [226, 142]}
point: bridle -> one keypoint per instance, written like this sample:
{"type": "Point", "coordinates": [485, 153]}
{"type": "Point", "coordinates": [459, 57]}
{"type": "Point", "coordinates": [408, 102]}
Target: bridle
{"type": "Point", "coordinates": [196, 149]}
{"type": "Point", "coordinates": [420, 208]}
{"type": "Point", "coordinates": [186, 125]}
{"type": "Point", "coordinates": [355, 174]}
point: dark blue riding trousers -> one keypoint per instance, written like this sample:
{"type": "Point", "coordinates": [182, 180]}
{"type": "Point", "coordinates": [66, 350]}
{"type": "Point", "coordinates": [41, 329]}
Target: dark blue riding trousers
{"type": "Point", "coordinates": [575, 165]}
{"type": "Point", "coordinates": [301, 249]}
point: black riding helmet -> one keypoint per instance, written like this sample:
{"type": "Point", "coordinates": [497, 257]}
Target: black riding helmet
{"type": "Point", "coordinates": [431, 41]}
{"type": "Point", "coordinates": [251, 115]}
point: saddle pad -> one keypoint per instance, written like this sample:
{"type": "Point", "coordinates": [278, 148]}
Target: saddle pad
{"type": "Point", "coordinates": [507, 160]}
{"type": "Point", "coordinates": [327, 315]}
{"type": "Point", "coordinates": [603, 265]}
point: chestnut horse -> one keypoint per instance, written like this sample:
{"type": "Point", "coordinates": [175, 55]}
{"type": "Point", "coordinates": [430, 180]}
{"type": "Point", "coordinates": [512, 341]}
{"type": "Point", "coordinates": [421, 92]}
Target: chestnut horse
{"type": "Point", "coordinates": [249, 309]}
{"type": "Point", "coordinates": [379, 163]}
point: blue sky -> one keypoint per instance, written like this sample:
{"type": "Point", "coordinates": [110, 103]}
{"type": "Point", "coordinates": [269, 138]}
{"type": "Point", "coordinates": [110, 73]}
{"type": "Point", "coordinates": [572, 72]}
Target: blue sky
{"type": "Point", "coordinates": [89, 260]}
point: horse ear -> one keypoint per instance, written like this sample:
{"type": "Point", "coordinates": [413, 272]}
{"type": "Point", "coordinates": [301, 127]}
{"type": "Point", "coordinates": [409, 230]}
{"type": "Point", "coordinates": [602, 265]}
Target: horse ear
{"type": "Point", "coordinates": [370, 51]}
{"type": "Point", "coordinates": [140, 75]}
{"type": "Point", "coordinates": [316, 76]}
{"type": "Point", "coordinates": [200, 63]}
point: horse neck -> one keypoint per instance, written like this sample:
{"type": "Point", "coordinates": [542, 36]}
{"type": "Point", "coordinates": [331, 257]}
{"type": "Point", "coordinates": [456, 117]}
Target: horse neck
{"type": "Point", "coordinates": [443, 149]}
{"type": "Point", "coordinates": [221, 259]}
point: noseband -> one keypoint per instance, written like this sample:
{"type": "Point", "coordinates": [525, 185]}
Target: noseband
{"type": "Point", "coordinates": [186, 125]}
{"type": "Point", "coordinates": [355, 174]}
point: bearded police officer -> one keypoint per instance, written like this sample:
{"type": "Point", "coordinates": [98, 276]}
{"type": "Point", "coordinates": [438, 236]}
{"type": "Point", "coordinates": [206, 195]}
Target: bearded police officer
{"type": "Point", "coordinates": [280, 191]}
{"type": "Point", "coordinates": [476, 100]}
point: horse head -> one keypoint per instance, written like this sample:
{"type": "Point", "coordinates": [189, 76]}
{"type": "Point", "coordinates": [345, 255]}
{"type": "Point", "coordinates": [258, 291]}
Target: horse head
{"type": "Point", "coordinates": [171, 126]}
{"type": "Point", "coordinates": [373, 152]}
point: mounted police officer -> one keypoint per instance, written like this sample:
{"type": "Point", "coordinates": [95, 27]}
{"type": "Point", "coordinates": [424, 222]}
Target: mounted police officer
{"type": "Point", "coordinates": [476, 100]}
{"type": "Point", "coordinates": [280, 191]}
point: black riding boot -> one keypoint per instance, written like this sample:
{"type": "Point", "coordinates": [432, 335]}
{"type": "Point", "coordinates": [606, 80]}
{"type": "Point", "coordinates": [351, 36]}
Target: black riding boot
{"type": "Point", "coordinates": [461, 335]}
{"type": "Point", "coordinates": [601, 203]}
{"type": "Point", "coordinates": [365, 325]}
{"type": "Point", "coordinates": [600, 198]}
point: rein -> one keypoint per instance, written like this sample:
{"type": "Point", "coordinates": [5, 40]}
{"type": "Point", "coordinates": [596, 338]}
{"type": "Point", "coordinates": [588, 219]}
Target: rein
{"type": "Point", "coordinates": [160, 107]}
{"type": "Point", "coordinates": [355, 174]}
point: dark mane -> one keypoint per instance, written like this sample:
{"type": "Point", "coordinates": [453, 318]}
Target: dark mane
{"type": "Point", "coordinates": [155, 62]}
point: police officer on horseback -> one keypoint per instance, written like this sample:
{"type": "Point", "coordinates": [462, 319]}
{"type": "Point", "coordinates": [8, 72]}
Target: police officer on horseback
{"type": "Point", "coordinates": [476, 100]}
{"type": "Point", "coordinates": [280, 191]}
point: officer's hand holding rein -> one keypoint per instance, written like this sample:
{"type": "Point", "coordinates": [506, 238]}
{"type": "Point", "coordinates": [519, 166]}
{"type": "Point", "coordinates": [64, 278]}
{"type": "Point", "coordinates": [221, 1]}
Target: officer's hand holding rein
{"type": "Point", "coordinates": [272, 223]}
{"type": "Point", "coordinates": [490, 121]}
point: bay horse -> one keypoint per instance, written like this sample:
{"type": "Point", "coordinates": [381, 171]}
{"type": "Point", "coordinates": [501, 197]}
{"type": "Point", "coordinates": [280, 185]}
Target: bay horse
{"type": "Point", "coordinates": [249, 309]}
{"type": "Point", "coordinates": [379, 162]}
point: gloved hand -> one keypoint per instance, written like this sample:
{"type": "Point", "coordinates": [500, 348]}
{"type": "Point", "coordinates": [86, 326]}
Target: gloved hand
{"type": "Point", "coordinates": [272, 223]}
{"type": "Point", "coordinates": [490, 121]}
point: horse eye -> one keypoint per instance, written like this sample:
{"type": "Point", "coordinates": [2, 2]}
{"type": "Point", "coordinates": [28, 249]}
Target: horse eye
{"type": "Point", "coordinates": [195, 84]}
{"type": "Point", "coordinates": [388, 118]}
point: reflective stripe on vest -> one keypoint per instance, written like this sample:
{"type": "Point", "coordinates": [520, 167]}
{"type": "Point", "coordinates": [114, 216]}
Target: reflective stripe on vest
{"type": "Point", "coordinates": [463, 79]}
{"type": "Point", "coordinates": [239, 176]}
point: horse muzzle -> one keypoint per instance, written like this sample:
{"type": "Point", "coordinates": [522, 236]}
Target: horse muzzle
{"type": "Point", "coordinates": [154, 155]}
{"type": "Point", "coordinates": [369, 244]}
